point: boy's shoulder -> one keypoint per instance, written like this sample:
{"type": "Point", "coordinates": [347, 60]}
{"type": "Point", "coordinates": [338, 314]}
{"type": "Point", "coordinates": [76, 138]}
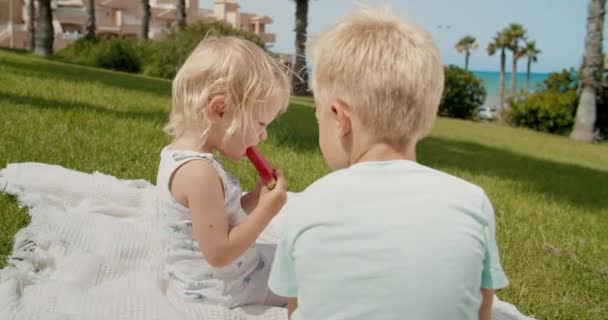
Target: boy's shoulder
{"type": "Point", "coordinates": [361, 186]}
{"type": "Point", "coordinates": [329, 180]}
{"type": "Point", "coordinates": [310, 204]}
{"type": "Point", "coordinates": [368, 182]}
{"type": "Point", "coordinates": [453, 181]}
{"type": "Point", "coordinates": [411, 173]}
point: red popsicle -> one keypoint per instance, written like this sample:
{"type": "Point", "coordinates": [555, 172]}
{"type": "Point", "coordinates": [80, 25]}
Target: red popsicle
{"type": "Point", "coordinates": [264, 169]}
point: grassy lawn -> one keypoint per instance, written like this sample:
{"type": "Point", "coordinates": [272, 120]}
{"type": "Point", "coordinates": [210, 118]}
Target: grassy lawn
{"type": "Point", "coordinates": [550, 194]}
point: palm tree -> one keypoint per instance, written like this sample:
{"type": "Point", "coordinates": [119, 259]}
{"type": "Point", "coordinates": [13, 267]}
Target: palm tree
{"type": "Point", "coordinates": [515, 33]}
{"type": "Point", "coordinates": [591, 74]}
{"type": "Point", "coordinates": [46, 34]}
{"type": "Point", "coordinates": [180, 8]}
{"type": "Point", "coordinates": [466, 44]}
{"type": "Point", "coordinates": [31, 24]}
{"type": "Point", "coordinates": [532, 53]}
{"type": "Point", "coordinates": [145, 20]}
{"type": "Point", "coordinates": [300, 75]}
{"type": "Point", "coordinates": [90, 28]}
{"type": "Point", "coordinates": [499, 42]}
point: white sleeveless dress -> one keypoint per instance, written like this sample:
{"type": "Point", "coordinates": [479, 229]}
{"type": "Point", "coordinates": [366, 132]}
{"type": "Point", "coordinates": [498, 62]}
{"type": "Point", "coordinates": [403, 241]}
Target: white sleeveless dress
{"type": "Point", "coordinates": [189, 276]}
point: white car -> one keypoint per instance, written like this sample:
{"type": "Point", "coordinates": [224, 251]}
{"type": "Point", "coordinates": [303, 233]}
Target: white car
{"type": "Point", "coordinates": [487, 113]}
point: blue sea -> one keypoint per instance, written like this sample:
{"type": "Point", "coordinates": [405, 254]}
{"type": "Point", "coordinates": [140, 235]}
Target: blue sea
{"type": "Point", "coordinates": [491, 81]}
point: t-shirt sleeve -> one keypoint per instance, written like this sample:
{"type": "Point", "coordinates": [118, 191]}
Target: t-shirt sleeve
{"type": "Point", "coordinates": [493, 276]}
{"type": "Point", "coordinates": [282, 279]}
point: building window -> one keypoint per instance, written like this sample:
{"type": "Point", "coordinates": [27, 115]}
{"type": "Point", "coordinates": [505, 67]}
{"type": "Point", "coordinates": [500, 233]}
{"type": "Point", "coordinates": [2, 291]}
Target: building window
{"type": "Point", "coordinates": [71, 27]}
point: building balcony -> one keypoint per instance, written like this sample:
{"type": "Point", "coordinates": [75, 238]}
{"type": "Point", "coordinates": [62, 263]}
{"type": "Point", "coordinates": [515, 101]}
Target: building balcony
{"type": "Point", "coordinates": [108, 29]}
{"type": "Point", "coordinates": [206, 14]}
{"type": "Point", "coordinates": [113, 4]}
{"type": "Point", "coordinates": [268, 37]}
{"type": "Point", "coordinates": [70, 15]}
{"type": "Point", "coordinates": [163, 14]}
{"type": "Point", "coordinates": [69, 36]}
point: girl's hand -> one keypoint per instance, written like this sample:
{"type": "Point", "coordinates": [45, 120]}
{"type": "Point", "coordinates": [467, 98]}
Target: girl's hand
{"type": "Point", "coordinates": [257, 190]}
{"type": "Point", "coordinates": [250, 200]}
{"type": "Point", "coordinates": [271, 201]}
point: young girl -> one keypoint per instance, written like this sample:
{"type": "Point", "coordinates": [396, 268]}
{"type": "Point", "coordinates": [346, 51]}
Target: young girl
{"type": "Point", "coordinates": [224, 97]}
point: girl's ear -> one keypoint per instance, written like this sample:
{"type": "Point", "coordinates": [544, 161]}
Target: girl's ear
{"type": "Point", "coordinates": [216, 108]}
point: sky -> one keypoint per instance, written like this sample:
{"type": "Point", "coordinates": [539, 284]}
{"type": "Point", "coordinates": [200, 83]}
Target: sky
{"type": "Point", "coordinates": [558, 26]}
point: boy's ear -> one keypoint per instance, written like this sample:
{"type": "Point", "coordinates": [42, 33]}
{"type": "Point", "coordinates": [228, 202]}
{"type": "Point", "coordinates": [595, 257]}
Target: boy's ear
{"type": "Point", "coordinates": [342, 114]}
{"type": "Point", "coordinates": [216, 108]}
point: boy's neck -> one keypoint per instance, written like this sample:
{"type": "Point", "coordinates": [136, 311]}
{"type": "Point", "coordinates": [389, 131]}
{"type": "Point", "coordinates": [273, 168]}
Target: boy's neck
{"type": "Point", "coordinates": [385, 152]}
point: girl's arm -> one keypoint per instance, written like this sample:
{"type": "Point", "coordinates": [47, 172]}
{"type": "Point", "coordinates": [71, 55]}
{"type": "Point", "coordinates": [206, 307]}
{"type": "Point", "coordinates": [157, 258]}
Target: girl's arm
{"type": "Point", "coordinates": [250, 200]}
{"type": "Point", "coordinates": [219, 244]}
{"type": "Point", "coordinates": [485, 311]}
{"type": "Point", "coordinates": [292, 305]}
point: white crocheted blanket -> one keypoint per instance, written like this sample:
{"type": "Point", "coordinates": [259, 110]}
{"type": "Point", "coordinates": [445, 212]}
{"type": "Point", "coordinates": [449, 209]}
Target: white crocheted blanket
{"type": "Point", "coordinates": [91, 249]}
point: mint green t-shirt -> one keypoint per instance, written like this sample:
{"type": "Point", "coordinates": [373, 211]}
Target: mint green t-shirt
{"type": "Point", "coordinates": [387, 240]}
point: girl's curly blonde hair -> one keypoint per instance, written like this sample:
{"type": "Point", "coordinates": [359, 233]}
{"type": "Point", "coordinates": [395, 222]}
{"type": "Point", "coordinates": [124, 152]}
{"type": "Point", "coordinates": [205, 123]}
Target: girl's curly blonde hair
{"type": "Point", "coordinates": [248, 78]}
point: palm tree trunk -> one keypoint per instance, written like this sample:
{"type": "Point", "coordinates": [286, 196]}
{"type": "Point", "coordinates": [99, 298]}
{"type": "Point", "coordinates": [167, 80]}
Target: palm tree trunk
{"type": "Point", "coordinates": [300, 75]}
{"type": "Point", "coordinates": [514, 76]}
{"type": "Point", "coordinates": [467, 54]}
{"type": "Point", "coordinates": [31, 24]}
{"type": "Point", "coordinates": [46, 33]}
{"type": "Point", "coordinates": [90, 28]}
{"type": "Point", "coordinates": [501, 89]}
{"type": "Point", "coordinates": [145, 20]}
{"type": "Point", "coordinates": [528, 75]}
{"type": "Point", "coordinates": [586, 112]}
{"type": "Point", "coordinates": [180, 8]}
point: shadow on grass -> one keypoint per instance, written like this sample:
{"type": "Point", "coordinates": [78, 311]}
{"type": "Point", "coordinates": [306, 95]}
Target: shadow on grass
{"type": "Point", "coordinates": [54, 70]}
{"type": "Point", "coordinates": [59, 105]}
{"type": "Point", "coordinates": [16, 51]}
{"type": "Point", "coordinates": [296, 129]}
{"type": "Point", "coordinates": [572, 184]}
{"type": "Point", "coordinates": [566, 183]}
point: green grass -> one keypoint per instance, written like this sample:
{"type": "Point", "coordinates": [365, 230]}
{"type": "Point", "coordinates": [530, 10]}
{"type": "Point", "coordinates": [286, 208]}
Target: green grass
{"type": "Point", "coordinates": [548, 191]}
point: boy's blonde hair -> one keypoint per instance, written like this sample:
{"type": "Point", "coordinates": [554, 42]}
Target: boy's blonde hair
{"type": "Point", "coordinates": [385, 68]}
{"type": "Point", "coordinates": [249, 79]}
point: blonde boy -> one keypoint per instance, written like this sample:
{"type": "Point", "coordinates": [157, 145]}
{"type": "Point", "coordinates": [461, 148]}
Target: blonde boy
{"type": "Point", "coordinates": [383, 237]}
